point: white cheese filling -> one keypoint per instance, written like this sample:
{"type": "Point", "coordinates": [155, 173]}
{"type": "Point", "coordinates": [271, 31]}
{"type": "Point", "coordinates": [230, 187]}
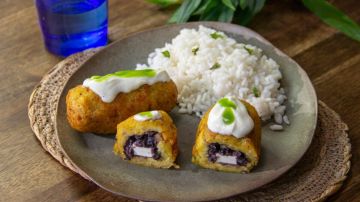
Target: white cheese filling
{"type": "Point", "coordinates": [226, 159]}
{"type": "Point", "coordinates": [143, 151]}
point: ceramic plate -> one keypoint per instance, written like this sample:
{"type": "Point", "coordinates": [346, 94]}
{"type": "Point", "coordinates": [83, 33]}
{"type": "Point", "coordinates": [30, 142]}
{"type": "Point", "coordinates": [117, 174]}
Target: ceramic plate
{"type": "Point", "coordinates": [93, 154]}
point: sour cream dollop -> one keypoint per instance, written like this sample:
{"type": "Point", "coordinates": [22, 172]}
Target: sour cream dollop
{"type": "Point", "coordinates": [107, 87]}
{"type": "Point", "coordinates": [145, 116]}
{"type": "Point", "coordinates": [230, 117]}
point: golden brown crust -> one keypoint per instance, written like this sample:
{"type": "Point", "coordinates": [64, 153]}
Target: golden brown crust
{"type": "Point", "coordinates": [167, 145]}
{"type": "Point", "coordinates": [250, 145]}
{"type": "Point", "coordinates": [86, 112]}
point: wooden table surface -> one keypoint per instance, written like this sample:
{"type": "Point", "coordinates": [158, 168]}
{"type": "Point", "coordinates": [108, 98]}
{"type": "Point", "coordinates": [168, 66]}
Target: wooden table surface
{"type": "Point", "coordinates": [28, 173]}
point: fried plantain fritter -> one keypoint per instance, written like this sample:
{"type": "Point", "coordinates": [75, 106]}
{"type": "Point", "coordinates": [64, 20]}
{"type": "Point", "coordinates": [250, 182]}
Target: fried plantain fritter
{"type": "Point", "coordinates": [160, 136]}
{"type": "Point", "coordinates": [246, 149]}
{"type": "Point", "coordinates": [86, 112]}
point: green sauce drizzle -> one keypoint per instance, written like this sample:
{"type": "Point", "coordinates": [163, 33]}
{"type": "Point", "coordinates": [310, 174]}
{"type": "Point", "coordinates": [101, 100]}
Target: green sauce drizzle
{"type": "Point", "coordinates": [126, 74]}
{"type": "Point", "coordinates": [146, 114]}
{"type": "Point", "coordinates": [228, 116]}
{"type": "Point", "coordinates": [227, 103]}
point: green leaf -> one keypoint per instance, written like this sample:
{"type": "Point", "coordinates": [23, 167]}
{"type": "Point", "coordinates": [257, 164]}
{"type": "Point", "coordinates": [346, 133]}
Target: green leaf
{"type": "Point", "coordinates": [235, 3]}
{"type": "Point", "coordinates": [334, 17]}
{"type": "Point", "coordinates": [215, 66]}
{"type": "Point", "coordinates": [174, 17]}
{"type": "Point", "coordinates": [255, 6]}
{"type": "Point", "coordinates": [216, 11]}
{"type": "Point", "coordinates": [252, 7]}
{"type": "Point", "coordinates": [166, 54]}
{"type": "Point", "coordinates": [202, 7]}
{"type": "Point", "coordinates": [194, 50]}
{"type": "Point", "coordinates": [259, 4]}
{"type": "Point", "coordinates": [249, 50]}
{"type": "Point", "coordinates": [256, 92]}
{"type": "Point", "coordinates": [211, 16]}
{"type": "Point", "coordinates": [165, 3]}
{"type": "Point", "coordinates": [226, 14]}
{"type": "Point", "coordinates": [216, 35]}
{"type": "Point", "coordinates": [243, 17]}
{"type": "Point", "coordinates": [212, 11]}
{"type": "Point", "coordinates": [250, 4]}
{"type": "Point", "coordinates": [184, 12]}
{"type": "Point", "coordinates": [238, 11]}
{"type": "Point", "coordinates": [242, 4]}
{"type": "Point", "coordinates": [229, 4]}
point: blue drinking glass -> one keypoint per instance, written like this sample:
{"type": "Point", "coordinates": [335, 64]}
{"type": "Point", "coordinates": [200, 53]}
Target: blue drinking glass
{"type": "Point", "coordinates": [71, 26]}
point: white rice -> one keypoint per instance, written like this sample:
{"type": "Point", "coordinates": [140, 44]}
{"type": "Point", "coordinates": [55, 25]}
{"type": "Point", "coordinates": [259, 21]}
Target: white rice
{"type": "Point", "coordinates": [286, 119]}
{"type": "Point", "coordinates": [276, 127]}
{"type": "Point", "coordinates": [238, 73]}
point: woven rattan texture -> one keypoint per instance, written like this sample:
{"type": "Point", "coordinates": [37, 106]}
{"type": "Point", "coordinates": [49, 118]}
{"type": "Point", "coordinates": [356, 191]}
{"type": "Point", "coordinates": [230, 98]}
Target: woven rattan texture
{"type": "Point", "coordinates": [316, 176]}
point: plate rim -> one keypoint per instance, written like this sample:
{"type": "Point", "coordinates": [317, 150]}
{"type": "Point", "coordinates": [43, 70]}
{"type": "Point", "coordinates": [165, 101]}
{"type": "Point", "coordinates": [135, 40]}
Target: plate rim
{"type": "Point", "coordinates": [236, 29]}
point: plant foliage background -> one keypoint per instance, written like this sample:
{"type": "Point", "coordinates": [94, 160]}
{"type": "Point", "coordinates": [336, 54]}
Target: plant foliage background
{"type": "Point", "coordinates": [242, 11]}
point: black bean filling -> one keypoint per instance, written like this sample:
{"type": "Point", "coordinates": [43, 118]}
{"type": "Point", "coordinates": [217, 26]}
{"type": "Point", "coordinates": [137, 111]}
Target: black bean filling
{"type": "Point", "coordinates": [147, 140]}
{"type": "Point", "coordinates": [216, 148]}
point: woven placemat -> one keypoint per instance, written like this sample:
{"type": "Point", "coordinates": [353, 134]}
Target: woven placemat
{"type": "Point", "coordinates": [316, 176]}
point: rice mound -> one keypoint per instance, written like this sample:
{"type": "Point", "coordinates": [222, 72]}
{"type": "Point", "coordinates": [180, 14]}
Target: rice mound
{"type": "Point", "coordinates": [206, 65]}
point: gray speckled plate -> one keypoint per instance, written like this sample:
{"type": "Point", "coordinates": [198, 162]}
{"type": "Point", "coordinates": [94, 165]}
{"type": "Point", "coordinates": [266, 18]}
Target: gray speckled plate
{"type": "Point", "coordinates": [93, 154]}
